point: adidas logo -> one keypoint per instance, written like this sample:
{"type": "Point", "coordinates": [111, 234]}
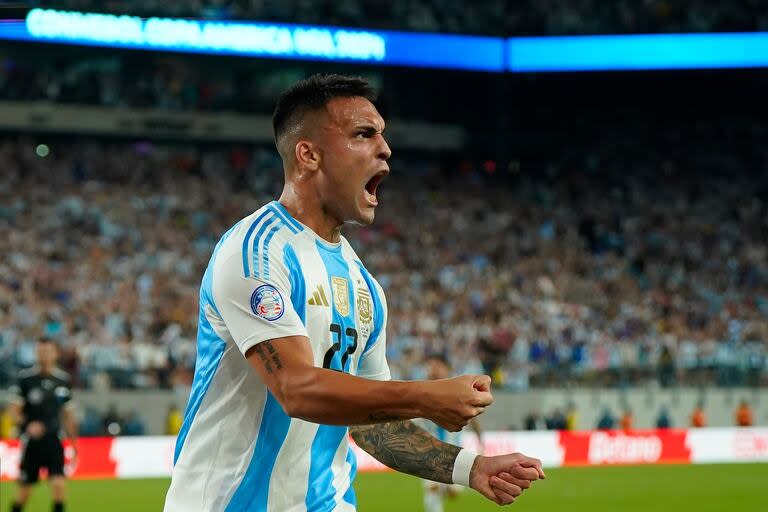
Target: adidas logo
{"type": "Point", "coordinates": [318, 298]}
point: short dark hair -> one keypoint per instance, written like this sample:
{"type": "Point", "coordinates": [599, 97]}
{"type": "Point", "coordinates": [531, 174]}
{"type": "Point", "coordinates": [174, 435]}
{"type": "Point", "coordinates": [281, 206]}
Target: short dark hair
{"type": "Point", "coordinates": [314, 93]}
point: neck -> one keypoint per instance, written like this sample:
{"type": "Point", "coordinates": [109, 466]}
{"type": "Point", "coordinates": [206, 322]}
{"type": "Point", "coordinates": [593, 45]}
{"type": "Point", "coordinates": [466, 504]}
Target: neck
{"type": "Point", "coordinates": [307, 209]}
{"type": "Point", "coordinates": [46, 369]}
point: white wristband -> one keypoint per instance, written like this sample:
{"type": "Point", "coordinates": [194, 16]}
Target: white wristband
{"type": "Point", "coordinates": [462, 467]}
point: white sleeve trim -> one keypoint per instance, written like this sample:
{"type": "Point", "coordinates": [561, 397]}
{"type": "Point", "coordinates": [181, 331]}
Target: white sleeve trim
{"type": "Point", "coordinates": [255, 339]}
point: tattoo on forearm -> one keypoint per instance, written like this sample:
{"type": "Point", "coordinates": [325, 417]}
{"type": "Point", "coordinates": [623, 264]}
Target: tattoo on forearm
{"type": "Point", "coordinates": [269, 356]}
{"type": "Point", "coordinates": [263, 356]}
{"type": "Point", "coordinates": [275, 356]}
{"type": "Point", "coordinates": [403, 446]}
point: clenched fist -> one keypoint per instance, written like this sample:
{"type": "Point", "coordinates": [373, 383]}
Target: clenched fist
{"type": "Point", "coordinates": [503, 478]}
{"type": "Point", "coordinates": [452, 403]}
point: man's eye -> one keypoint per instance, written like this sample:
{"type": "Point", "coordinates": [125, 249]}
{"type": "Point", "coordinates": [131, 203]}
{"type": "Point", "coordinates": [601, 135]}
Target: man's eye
{"type": "Point", "coordinates": [360, 135]}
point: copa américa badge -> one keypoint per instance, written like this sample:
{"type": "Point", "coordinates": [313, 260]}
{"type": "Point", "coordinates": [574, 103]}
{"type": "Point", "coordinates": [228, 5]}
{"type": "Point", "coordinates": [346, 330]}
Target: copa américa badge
{"type": "Point", "coordinates": [267, 302]}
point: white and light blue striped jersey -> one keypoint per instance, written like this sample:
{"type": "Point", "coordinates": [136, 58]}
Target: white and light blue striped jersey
{"type": "Point", "coordinates": [271, 277]}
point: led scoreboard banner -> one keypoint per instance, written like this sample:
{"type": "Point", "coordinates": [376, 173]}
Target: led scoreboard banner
{"type": "Point", "coordinates": [638, 52]}
{"type": "Point", "coordinates": [254, 39]}
{"type": "Point", "coordinates": [335, 44]}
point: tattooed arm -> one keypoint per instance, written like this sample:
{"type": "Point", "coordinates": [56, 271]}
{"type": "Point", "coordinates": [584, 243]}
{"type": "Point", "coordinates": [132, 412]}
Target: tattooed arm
{"type": "Point", "coordinates": [286, 366]}
{"type": "Point", "coordinates": [405, 447]}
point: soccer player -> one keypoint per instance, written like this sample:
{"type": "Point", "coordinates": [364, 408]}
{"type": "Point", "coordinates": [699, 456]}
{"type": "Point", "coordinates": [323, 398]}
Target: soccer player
{"type": "Point", "coordinates": [438, 368]}
{"type": "Point", "coordinates": [41, 406]}
{"type": "Point", "coordinates": [291, 340]}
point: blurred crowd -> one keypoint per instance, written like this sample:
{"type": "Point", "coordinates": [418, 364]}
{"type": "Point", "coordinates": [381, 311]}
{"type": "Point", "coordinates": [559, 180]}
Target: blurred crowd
{"type": "Point", "coordinates": [537, 281]}
{"type": "Point", "coordinates": [497, 17]}
{"type": "Point", "coordinates": [109, 422]}
{"type": "Point", "coordinates": [743, 416]}
{"type": "Point", "coordinates": [143, 81]}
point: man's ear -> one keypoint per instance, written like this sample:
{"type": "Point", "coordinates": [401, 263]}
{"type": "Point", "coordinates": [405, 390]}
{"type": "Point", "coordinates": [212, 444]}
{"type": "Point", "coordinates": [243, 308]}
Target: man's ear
{"type": "Point", "coordinates": [307, 156]}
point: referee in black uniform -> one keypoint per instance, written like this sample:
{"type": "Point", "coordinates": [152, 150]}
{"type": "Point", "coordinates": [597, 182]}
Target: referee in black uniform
{"type": "Point", "coordinates": [41, 406]}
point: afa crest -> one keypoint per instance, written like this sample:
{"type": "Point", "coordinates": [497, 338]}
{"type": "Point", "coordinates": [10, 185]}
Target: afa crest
{"type": "Point", "coordinates": [340, 288]}
{"type": "Point", "coordinates": [364, 306]}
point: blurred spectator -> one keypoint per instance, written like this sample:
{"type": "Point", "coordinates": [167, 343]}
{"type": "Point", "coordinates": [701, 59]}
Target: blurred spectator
{"type": "Point", "coordinates": [571, 418]}
{"type": "Point", "coordinates": [666, 367]}
{"type": "Point", "coordinates": [112, 422]}
{"type": "Point", "coordinates": [606, 421]}
{"type": "Point", "coordinates": [534, 421]}
{"type": "Point", "coordinates": [699, 418]}
{"type": "Point", "coordinates": [743, 415]}
{"type": "Point", "coordinates": [492, 356]}
{"type": "Point", "coordinates": [133, 425]}
{"type": "Point", "coordinates": [556, 421]}
{"type": "Point", "coordinates": [91, 423]}
{"type": "Point", "coordinates": [173, 420]}
{"type": "Point", "coordinates": [627, 420]}
{"type": "Point", "coordinates": [663, 420]}
{"type": "Point", "coordinates": [7, 425]}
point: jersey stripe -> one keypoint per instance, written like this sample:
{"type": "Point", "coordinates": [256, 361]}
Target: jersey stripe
{"type": "Point", "coordinates": [258, 238]}
{"type": "Point", "coordinates": [267, 240]}
{"type": "Point", "coordinates": [280, 214]}
{"type": "Point", "coordinates": [287, 217]}
{"type": "Point", "coordinates": [253, 492]}
{"type": "Point", "coordinates": [349, 496]}
{"type": "Point", "coordinates": [298, 283]}
{"type": "Point", "coordinates": [378, 310]}
{"type": "Point", "coordinates": [247, 238]}
{"type": "Point", "coordinates": [210, 349]}
{"type": "Point", "coordinates": [321, 493]}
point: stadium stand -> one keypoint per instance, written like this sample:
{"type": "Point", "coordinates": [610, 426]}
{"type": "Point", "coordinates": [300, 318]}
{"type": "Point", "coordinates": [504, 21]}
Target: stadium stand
{"type": "Point", "coordinates": [584, 279]}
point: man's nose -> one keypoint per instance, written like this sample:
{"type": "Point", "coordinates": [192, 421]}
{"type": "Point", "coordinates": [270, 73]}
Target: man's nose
{"type": "Point", "coordinates": [384, 152]}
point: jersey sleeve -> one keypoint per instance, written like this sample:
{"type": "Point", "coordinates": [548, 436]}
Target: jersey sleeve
{"type": "Point", "coordinates": [255, 309]}
{"type": "Point", "coordinates": [373, 364]}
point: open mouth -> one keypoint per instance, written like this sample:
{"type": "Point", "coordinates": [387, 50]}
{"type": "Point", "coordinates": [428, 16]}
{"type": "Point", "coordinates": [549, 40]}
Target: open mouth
{"type": "Point", "coordinates": [373, 184]}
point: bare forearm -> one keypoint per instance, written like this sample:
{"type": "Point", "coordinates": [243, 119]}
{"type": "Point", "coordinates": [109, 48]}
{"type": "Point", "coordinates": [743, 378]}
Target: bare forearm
{"type": "Point", "coordinates": [403, 446]}
{"type": "Point", "coordinates": [330, 397]}
{"type": "Point", "coordinates": [335, 398]}
{"type": "Point", "coordinates": [287, 368]}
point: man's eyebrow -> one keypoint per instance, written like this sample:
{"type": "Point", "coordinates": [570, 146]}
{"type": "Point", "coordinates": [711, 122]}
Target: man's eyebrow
{"type": "Point", "coordinates": [368, 127]}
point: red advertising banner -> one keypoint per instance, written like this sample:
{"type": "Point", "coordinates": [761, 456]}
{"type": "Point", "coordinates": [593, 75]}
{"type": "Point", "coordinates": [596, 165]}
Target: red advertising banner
{"type": "Point", "coordinates": [625, 447]}
{"type": "Point", "coordinates": [93, 459]}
